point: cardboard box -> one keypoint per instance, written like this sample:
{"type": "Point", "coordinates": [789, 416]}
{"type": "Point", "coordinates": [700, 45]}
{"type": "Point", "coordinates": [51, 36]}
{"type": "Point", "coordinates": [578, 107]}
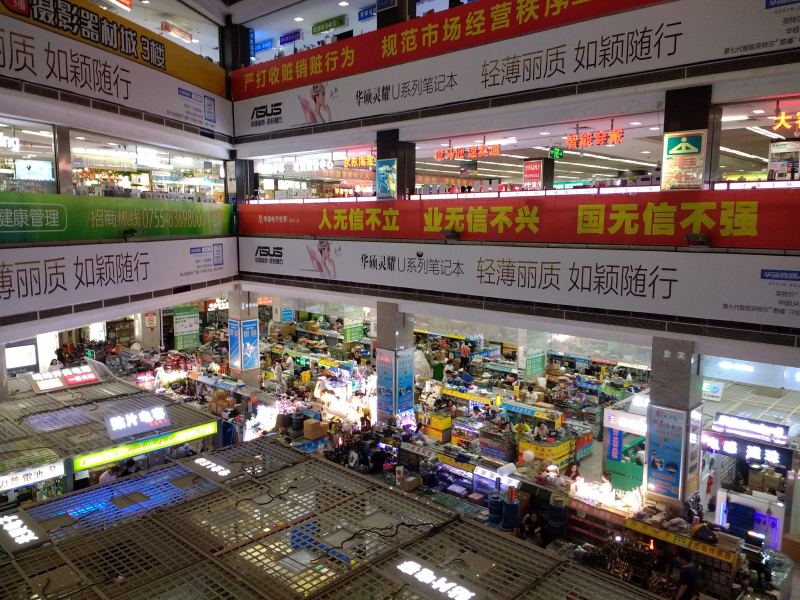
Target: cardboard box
{"type": "Point", "coordinates": [443, 437]}
{"type": "Point", "coordinates": [409, 482]}
{"type": "Point", "coordinates": [440, 421]}
{"type": "Point", "coordinates": [311, 429]}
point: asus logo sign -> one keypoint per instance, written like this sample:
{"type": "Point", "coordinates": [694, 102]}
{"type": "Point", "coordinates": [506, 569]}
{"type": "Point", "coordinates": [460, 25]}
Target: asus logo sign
{"type": "Point", "coordinates": [272, 255]}
{"type": "Point", "coordinates": [267, 110]}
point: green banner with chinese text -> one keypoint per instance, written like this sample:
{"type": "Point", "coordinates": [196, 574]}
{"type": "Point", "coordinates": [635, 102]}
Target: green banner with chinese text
{"type": "Point", "coordinates": [30, 218]}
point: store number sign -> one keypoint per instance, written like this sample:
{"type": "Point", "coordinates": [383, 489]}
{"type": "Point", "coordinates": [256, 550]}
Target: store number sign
{"type": "Point", "coordinates": [30, 476]}
{"type": "Point", "coordinates": [431, 581]}
{"type": "Point", "coordinates": [213, 469]}
{"type": "Point", "coordinates": [18, 532]}
{"type": "Point", "coordinates": [133, 422]}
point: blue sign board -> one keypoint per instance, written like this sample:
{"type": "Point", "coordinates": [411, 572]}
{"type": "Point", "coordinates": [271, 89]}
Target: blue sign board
{"type": "Point", "coordinates": [386, 179]}
{"type": "Point", "coordinates": [385, 367]}
{"type": "Point", "coordinates": [365, 14]}
{"type": "Point", "coordinates": [288, 38]}
{"type": "Point", "coordinates": [234, 344]}
{"type": "Point", "coordinates": [287, 315]}
{"type": "Point", "coordinates": [250, 353]}
{"type": "Point", "coordinates": [666, 430]}
{"type": "Point", "coordinates": [405, 380]}
{"type": "Point", "coordinates": [262, 46]}
{"type": "Point", "coordinates": [252, 36]}
{"type": "Point", "coordinates": [615, 444]}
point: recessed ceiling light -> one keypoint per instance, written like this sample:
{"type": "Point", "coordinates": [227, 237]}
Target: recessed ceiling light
{"type": "Point", "coordinates": [723, 167]}
{"type": "Point", "coordinates": [655, 128]}
{"type": "Point", "coordinates": [634, 123]}
{"type": "Point", "coordinates": [81, 138]}
{"type": "Point", "coordinates": [298, 19]}
{"type": "Point", "coordinates": [758, 111]}
{"type": "Point", "coordinates": [544, 133]}
{"type": "Point", "coordinates": [145, 1]}
{"type": "Point", "coordinates": [730, 118]}
{"type": "Point", "coordinates": [444, 145]}
{"type": "Point", "coordinates": [478, 141]}
{"type": "Point", "coordinates": [343, 3]}
{"type": "Point", "coordinates": [563, 137]}
{"type": "Point", "coordinates": [645, 151]}
{"type": "Point", "coordinates": [609, 145]}
{"type": "Point", "coordinates": [195, 41]}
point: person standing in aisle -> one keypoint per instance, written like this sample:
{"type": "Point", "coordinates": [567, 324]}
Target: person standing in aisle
{"type": "Point", "coordinates": [465, 353]}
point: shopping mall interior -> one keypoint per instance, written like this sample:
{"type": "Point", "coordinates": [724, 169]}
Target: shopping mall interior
{"type": "Point", "coordinates": [408, 300]}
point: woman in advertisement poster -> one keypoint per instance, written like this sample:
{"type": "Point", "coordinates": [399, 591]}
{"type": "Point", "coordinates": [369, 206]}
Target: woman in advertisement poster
{"type": "Point", "coordinates": [319, 111]}
{"type": "Point", "coordinates": [322, 260]}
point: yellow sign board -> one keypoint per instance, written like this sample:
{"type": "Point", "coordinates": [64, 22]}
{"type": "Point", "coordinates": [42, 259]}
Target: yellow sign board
{"type": "Point", "coordinates": [158, 442]}
{"type": "Point", "coordinates": [449, 460]}
{"type": "Point", "coordinates": [86, 22]}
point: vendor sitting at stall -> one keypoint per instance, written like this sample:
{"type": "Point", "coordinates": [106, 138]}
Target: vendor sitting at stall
{"type": "Point", "coordinates": [530, 395]}
{"type": "Point", "coordinates": [476, 412]}
{"type": "Point", "coordinates": [522, 428]}
{"type": "Point", "coordinates": [464, 376]}
{"type": "Point", "coordinates": [449, 368]}
{"type": "Point", "coordinates": [541, 432]}
{"type": "Point", "coordinates": [572, 471]}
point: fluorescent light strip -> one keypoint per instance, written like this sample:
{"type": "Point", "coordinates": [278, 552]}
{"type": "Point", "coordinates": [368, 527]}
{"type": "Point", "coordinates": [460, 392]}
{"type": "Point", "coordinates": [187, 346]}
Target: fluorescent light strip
{"type": "Point", "coordinates": [600, 157]}
{"type": "Point", "coordinates": [740, 153]}
{"type": "Point", "coordinates": [46, 134]}
{"type": "Point", "coordinates": [732, 118]}
{"type": "Point", "coordinates": [765, 132]}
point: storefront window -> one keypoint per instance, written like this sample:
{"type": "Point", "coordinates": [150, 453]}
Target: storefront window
{"type": "Point", "coordinates": [104, 166]}
{"type": "Point", "coordinates": [26, 157]}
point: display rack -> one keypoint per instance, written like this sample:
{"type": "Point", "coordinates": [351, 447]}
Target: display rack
{"type": "Point", "coordinates": [591, 523]}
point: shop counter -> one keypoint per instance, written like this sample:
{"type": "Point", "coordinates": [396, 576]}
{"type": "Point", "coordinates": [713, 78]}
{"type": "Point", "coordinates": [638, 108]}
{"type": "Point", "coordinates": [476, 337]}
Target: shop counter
{"type": "Point", "coordinates": [684, 541]}
{"type": "Point", "coordinates": [559, 452]}
{"type": "Point", "coordinates": [451, 393]}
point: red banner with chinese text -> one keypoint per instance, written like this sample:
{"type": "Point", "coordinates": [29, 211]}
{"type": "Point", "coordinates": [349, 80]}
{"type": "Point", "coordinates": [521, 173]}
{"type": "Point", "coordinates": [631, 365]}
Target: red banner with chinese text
{"type": "Point", "coordinates": [466, 26]}
{"type": "Point", "coordinates": [733, 219]}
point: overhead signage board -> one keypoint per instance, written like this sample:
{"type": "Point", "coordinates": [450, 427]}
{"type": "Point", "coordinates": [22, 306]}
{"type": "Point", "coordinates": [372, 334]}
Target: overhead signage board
{"type": "Point", "coordinates": [684, 159]}
{"type": "Point", "coordinates": [380, 73]}
{"type": "Point", "coordinates": [30, 476]}
{"type": "Point", "coordinates": [743, 427]}
{"type": "Point", "coordinates": [669, 283]}
{"type": "Point", "coordinates": [328, 24]}
{"type": "Point", "coordinates": [262, 46]}
{"type": "Point", "coordinates": [75, 47]}
{"type": "Point", "coordinates": [46, 277]}
{"type": "Point", "coordinates": [587, 139]}
{"type": "Point", "coordinates": [712, 390]}
{"type": "Point", "coordinates": [367, 13]}
{"type": "Point", "coordinates": [747, 450]}
{"type": "Point", "coordinates": [212, 468]}
{"type": "Point", "coordinates": [625, 421]}
{"type": "Point", "coordinates": [158, 442]}
{"type": "Point", "coordinates": [19, 532]}
{"type": "Point", "coordinates": [135, 422]}
{"type": "Point", "coordinates": [59, 379]}
{"type": "Point", "coordinates": [288, 38]}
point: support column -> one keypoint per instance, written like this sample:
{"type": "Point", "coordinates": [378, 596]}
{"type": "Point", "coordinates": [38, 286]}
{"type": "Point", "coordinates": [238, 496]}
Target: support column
{"type": "Point", "coordinates": [690, 110]}
{"type": "Point", "coordinates": [389, 146]}
{"type": "Point", "coordinates": [63, 160]}
{"type": "Point", "coordinates": [674, 421]}
{"type": "Point", "coordinates": [3, 374]}
{"type": "Point", "coordinates": [243, 336]}
{"type": "Point", "coordinates": [391, 12]}
{"type": "Point", "coordinates": [234, 45]}
{"type": "Point", "coordinates": [395, 358]}
{"type": "Point", "coordinates": [240, 180]}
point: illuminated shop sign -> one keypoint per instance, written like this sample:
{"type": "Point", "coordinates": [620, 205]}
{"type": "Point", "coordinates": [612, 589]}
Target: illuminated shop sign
{"type": "Point", "coordinates": [213, 469]}
{"type": "Point", "coordinates": [625, 421]}
{"type": "Point", "coordinates": [18, 531]}
{"type": "Point", "coordinates": [712, 390]}
{"type": "Point", "coordinates": [59, 379]}
{"type": "Point", "coordinates": [467, 152]}
{"type": "Point", "coordinates": [288, 38]}
{"type": "Point", "coordinates": [134, 422]}
{"type": "Point", "coordinates": [587, 139]}
{"type": "Point", "coordinates": [747, 450]}
{"type": "Point", "coordinates": [218, 304]}
{"type": "Point", "coordinates": [117, 453]}
{"type": "Point", "coordinates": [31, 476]}
{"type": "Point", "coordinates": [360, 161]}
{"type": "Point", "coordinates": [11, 143]}
{"type": "Point", "coordinates": [175, 31]}
{"type": "Point", "coordinates": [751, 429]}
{"type": "Point", "coordinates": [431, 581]}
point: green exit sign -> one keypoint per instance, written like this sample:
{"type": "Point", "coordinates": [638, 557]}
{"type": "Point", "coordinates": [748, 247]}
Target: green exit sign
{"type": "Point", "coordinates": [556, 153]}
{"type": "Point", "coordinates": [89, 353]}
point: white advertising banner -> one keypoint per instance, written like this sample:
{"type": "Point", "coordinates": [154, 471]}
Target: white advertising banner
{"type": "Point", "coordinates": [47, 277]}
{"type": "Point", "coordinates": [662, 36]}
{"type": "Point", "coordinates": [728, 287]}
{"type": "Point", "coordinates": [35, 55]}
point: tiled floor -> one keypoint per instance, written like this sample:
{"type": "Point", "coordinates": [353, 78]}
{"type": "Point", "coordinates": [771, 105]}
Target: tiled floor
{"type": "Point", "coordinates": [592, 466]}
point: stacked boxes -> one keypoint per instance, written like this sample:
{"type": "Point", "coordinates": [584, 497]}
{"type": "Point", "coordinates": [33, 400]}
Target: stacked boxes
{"type": "Point", "coordinates": [439, 428]}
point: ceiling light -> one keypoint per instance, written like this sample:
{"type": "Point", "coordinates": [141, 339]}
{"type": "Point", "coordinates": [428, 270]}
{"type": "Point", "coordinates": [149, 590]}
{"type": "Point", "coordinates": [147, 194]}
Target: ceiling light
{"type": "Point", "coordinates": [740, 153]}
{"type": "Point", "coordinates": [544, 133]}
{"type": "Point", "coordinates": [635, 123]}
{"type": "Point", "coordinates": [723, 166]}
{"type": "Point", "coordinates": [610, 145]}
{"type": "Point", "coordinates": [444, 145]}
{"type": "Point", "coordinates": [766, 133]}
{"type": "Point", "coordinates": [478, 141]}
{"type": "Point", "coordinates": [645, 151]}
{"type": "Point", "coordinates": [563, 137]}
{"type": "Point", "coordinates": [343, 3]}
{"type": "Point", "coordinates": [81, 138]}
{"type": "Point", "coordinates": [298, 19]}
{"type": "Point", "coordinates": [195, 41]}
{"type": "Point", "coordinates": [145, 1]}
{"type": "Point", "coordinates": [759, 111]}
{"type": "Point", "coordinates": [730, 118]}
{"type": "Point", "coordinates": [622, 160]}
{"type": "Point", "coordinates": [655, 128]}
{"type": "Point", "coordinates": [39, 133]}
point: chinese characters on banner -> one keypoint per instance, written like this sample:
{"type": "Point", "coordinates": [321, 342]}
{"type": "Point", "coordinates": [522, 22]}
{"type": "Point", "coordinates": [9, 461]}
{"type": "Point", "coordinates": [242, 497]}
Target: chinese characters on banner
{"type": "Point", "coordinates": [532, 174]}
{"type": "Point", "coordinates": [467, 26]}
{"type": "Point", "coordinates": [468, 152]}
{"type": "Point", "coordinates": [684, 160]}
{"type": "Point", "coordinates": [186, 327]}
{"type": "Point", "coordinates": [361, 161]}
{"type": "Point", "coordinates": [666, 432]}
{"type": "Point", "coordinates": [588, 139]}
{"type": "Point", "coordinates": [736, 219]}
{"type": "Point", "coordinates": [83, 21]}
